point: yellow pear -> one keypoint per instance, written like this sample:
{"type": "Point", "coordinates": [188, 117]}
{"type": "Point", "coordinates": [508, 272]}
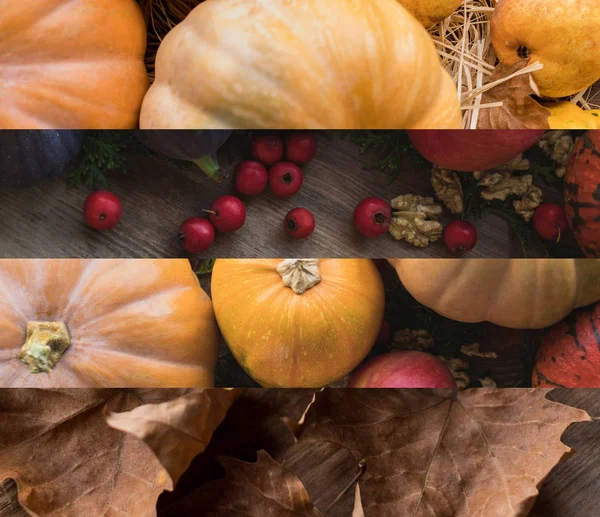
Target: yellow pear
{"type": "Point", "coordinates": [566, 115]}
{"type": "Point", "coordinates": [429, 12]}
{"type": "Point", "coordinates": [563, 35]}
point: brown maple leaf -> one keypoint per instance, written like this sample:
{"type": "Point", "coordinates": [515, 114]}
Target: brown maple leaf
{"type": "Point", "coordinates": [475, 453]}
{"type": "Point", "coordinates": [68, 462]}
{"type": "Point", "coordinates": [519, 110]}
{"type": "Point", "coordinates": [256, 489]}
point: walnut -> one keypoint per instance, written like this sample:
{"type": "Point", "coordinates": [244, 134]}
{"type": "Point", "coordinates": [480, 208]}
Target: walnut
{"type": "Point", "coordinates": [502, 184]}
{"type": "Point", "coordinates": [529, 202]}
{"type": "Point", "coordinates": [457, 367]}
{"type": "Point", "coordinates": [557, 146]}
{"type": "Point", "coordinates": [448, 189]}
{"type": "Point", "coordinates": [488, 382]}
{"type": "Point", "coordinates": [516, 164]}
{"type": "Point", "coordinates": [415, 220]}
{"type": "Point", "coordinates": [409, 339]}
{"type": "Point", "coordinates": [473, 351]}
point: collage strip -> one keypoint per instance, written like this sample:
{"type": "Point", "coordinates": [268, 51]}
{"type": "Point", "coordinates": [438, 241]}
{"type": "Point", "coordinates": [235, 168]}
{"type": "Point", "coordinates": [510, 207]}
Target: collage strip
{"type": "Point", "coordinates": [330, 258]}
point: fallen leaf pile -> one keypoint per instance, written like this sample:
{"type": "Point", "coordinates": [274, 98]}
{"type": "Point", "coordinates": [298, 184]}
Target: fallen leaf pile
{"type": "Point", "coordinates": [288, 453]}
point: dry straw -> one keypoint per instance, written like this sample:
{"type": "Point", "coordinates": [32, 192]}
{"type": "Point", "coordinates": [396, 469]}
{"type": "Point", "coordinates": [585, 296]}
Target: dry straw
{"type": "Point", "coordinates": [463, 42]}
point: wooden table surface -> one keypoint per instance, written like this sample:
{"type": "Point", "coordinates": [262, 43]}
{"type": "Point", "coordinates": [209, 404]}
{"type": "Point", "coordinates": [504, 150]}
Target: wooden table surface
{"type": "Point", "coordinates": [571, 490]}
{"type": "Point", "coordinates": [46, 221]}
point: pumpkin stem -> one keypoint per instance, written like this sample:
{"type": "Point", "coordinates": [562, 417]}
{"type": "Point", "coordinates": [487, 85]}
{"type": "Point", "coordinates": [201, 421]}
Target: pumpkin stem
{"type": "Point", "coordinates": [299, 274]}
{"type": "Point", "coordinates": [210, 165]}
{"type": "Point", "coordinates": [45, 343]}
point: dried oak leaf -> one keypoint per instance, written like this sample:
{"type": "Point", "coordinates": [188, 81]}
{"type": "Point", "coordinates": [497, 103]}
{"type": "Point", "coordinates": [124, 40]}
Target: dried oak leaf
{"type": "Point", "coordinates": [448, 189]}
{"type": "Point", "coordinates": [474, 453]}
{"type": "Point", "coordinates": [67, 461]}
{"type": "Point", "coordinates": [415, 220]}
{"type": "Point", "coordinates": [257, 489]}
{"type": "Point", "coordinates": [519, 110]}
{"type": "Point", "coordinates": [180, 429]}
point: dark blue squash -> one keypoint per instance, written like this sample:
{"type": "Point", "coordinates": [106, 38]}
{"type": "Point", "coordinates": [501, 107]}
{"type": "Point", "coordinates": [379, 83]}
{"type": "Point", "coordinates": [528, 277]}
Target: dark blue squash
{"type": "Point", "coordinates": [198, 146]}
{"type": "Point", "coordinates": [28, 158]}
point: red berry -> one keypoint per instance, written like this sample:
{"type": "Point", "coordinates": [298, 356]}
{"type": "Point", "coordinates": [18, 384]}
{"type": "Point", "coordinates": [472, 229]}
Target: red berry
{"type": "Point", "coordinates": [460, 236]}
{"type": "Point", "coordinates": [372, 216]}
{"type": "Point", "coordinates": [385, 334]}
{"type": "Point", "coordinates": [227, 213]}
{"type": "Point", "coordinates": [300, 148]}
{"type": "Point", "coordinates": [250, 178]}
{"type": "Point", "coordinates": [196, 234]}
{"type": "Point", "coordinates": [285, 179]}
{"type": "Point", "coordinates": [267, 149]}
{"type": "Point", "coordinates": [550, 221]}
{"type": "Point", "coordinates": [102, 210]}
{"type": "Point", "coordinates": [299, 223]}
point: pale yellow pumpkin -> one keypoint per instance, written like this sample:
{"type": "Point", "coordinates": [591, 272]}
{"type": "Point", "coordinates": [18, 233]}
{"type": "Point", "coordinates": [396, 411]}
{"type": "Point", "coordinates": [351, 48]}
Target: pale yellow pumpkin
{"type": "Point", "coordinates": [298, 322]}
{"type": "Point", "coordinates": [311, 64]}
{"type": "Point", "coordinates": [70, 323]}
{"type": "Point", "coordinates": [515, 293]}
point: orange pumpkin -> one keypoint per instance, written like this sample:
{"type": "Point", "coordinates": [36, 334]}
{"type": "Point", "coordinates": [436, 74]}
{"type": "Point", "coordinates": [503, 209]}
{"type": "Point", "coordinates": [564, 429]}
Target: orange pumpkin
{"type": "Point", "coordinates": [104, 323]}
{"type": "Point", "coordinates": [74, 64]}
{"type": "Point", "coordinates": [514, 293]}
{"type": "Point", "coordinates": [298, 322]}
{"type": "Point", "coordinates": [310, 64]}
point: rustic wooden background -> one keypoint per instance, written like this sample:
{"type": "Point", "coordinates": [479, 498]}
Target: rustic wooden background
{"type": "Point", "coordinates": [572, 489]}
{"type": "Point", "coordinates": [46, 221]}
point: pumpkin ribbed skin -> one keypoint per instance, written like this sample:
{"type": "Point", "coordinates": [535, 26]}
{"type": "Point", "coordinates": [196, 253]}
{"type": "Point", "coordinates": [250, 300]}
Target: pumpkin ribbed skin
{"type": "Point", "coordinates": [514, 293]}
{"type": "Point", "coordinates": [314, 64]}
{"type": "Point", "coordinates": [582, 193]}
{"type": "Point", "coordinates": [569, 354]}
{"type": "Point", "coordinates": [74, 64]}
{"type": "Point", "coordinates": [133, 323]}
{"type": "Point", "coordinates": [283, 339]}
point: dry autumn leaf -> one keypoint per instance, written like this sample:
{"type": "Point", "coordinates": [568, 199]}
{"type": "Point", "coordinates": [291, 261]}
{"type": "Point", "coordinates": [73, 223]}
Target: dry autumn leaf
{"type": "Point", "coordinates": [179, 429]}
{"type": "Point", "coordinates": [476, 453]}
{"type": "Point", "coordinates": [68, 462]}
{"type": "Point", "coordinates": [257, 489]}
{"type": "Point", "coordinates": [518, 110]}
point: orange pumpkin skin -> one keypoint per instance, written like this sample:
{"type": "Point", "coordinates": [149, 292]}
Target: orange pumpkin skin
{"type": "Point", "coordinates": [314, 64]}
{"type": "Point", "coordinates": [569, 354]}
{"type": "Point", "coordinates": [74, 64]}
{"type": "Point", "coordinates": [133, 323]}
{"type": "Point", "coordinates": [283, 339]}
{"type": "Point", "coordinates": [582, 193]}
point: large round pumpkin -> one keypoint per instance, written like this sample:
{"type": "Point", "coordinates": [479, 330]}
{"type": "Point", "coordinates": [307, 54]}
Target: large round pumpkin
{"type": "Point", "coordinates": [104, 323]}
{"type": "Point", "coordinates": [31, 157]}
{"type": "Point", "coordinates": [515, 293]}
{"type": "Point", "coordinates": [298, 322]}
{"type": "Point", "coordinates": [310, 64]}
{"type": "Point", "coordinates": [582, 193]}
{"type": "Point", "coordinates": [71, 64]}
{"type": "Point", "coordinates": [569, 354]}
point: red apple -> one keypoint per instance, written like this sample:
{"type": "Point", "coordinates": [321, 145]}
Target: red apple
{"type": "Point", "coordinates": [474, 149]}
{"type": "Point", "coordinates": [403, 369]}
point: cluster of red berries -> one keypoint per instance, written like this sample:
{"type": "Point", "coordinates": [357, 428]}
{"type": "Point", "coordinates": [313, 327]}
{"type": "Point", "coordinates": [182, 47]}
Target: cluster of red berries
{"type": "Point", "coordinates": [284, 177]}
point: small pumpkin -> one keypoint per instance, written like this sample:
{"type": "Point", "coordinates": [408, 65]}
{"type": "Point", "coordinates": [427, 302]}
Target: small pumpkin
{"type": "Point", "coordinates": [104, 323]}
{"type": "Point", "coordinates": [567, 115]}
{"type": "Point", "coordinates": [582, 193]}
{"type": "Point", "coordinates": [514, 293]}
{"type": "Point", "coordinates": [71, 64]}
{"type": "Point", "coordinates": [429, 12]}
{"type": "Point", "coordinates": [298, 322]}
{"type": "Point", "coordinates": [31, 157]}
{"type": "Point", "coordinates": [335, 64]}
{"type": "Point", "coordinates": [569, 353]}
